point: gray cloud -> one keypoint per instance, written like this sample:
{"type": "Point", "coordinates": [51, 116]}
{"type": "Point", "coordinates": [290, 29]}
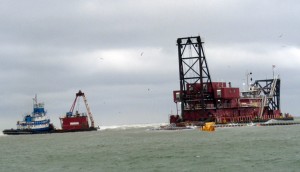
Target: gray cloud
{"type": "Point", "coordinates": [123, 54]}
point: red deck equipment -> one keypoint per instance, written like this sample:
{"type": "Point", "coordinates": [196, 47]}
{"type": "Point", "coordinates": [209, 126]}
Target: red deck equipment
{"type": "Point", "coordinates": [77, 121]}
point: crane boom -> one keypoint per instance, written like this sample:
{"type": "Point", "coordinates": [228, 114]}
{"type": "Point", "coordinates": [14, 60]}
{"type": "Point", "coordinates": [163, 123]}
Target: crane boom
{"type": "Point", "coordinates": [81, 94]}
{"type": "Point", "coordinates": [89, 111]}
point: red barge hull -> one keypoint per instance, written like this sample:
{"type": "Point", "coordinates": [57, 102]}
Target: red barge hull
{"type": "Point", "coordinates": [74, 123]}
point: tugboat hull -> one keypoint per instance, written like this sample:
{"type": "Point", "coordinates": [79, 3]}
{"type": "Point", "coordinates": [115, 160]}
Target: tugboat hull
{"type": "Point", "coordinates": [24, 132]}
{"type": "Point", "coordinates": [27, 132]}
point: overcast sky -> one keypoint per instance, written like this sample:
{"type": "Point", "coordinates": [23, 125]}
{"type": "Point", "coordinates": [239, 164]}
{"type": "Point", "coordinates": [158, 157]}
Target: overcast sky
{"type": "Point", "coordinates": [123, 54]}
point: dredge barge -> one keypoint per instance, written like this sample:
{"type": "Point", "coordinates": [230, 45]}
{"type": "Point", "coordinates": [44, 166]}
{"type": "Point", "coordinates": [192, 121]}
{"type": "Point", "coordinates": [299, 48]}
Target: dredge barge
{"type": "Point", "coordinates": [201, 100]}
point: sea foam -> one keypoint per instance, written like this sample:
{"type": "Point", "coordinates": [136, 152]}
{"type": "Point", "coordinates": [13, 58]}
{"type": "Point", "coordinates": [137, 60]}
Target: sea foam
{"type": "Point", "coordinates": [131, 126]}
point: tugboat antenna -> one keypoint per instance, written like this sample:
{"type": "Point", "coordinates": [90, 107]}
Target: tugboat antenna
{"type": "Point", "coordinates": [35, 99]}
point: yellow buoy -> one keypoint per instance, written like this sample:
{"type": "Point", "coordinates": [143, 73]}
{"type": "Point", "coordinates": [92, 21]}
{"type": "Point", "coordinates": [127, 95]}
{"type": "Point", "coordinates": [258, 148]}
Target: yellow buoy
{"type": "Point", "coordinates": [209, 126]}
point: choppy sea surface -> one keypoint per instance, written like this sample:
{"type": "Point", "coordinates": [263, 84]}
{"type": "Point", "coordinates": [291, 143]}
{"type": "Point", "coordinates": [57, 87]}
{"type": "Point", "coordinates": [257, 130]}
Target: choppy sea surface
{"type": "Point", "coordinates": [125, 148]}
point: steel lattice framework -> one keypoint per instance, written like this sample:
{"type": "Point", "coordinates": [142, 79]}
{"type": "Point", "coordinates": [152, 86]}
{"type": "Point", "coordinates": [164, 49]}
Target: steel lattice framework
{"type": "Point", "coordinates": [271, 89]}
{"type": "Point", "coordinates": [193, 69]}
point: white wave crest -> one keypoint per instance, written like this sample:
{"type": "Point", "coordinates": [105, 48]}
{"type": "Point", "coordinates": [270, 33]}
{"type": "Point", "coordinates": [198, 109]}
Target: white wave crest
{"type": "Point", "coordinates": [132, 126]}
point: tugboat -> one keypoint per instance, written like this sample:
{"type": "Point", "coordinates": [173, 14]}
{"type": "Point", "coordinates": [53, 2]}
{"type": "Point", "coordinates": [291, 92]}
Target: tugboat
{"type": "Point", "coordinates": [35, 123]}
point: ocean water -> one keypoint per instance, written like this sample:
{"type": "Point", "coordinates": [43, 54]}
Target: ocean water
{"type": "Point", "coordinates": [272, 148]}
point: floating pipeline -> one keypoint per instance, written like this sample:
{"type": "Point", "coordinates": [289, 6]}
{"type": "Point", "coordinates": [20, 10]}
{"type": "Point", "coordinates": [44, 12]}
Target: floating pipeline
{"type": "Point", "coordinates": [210, 126]}
{"type": "Point", "coordinates": [255, 124]}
